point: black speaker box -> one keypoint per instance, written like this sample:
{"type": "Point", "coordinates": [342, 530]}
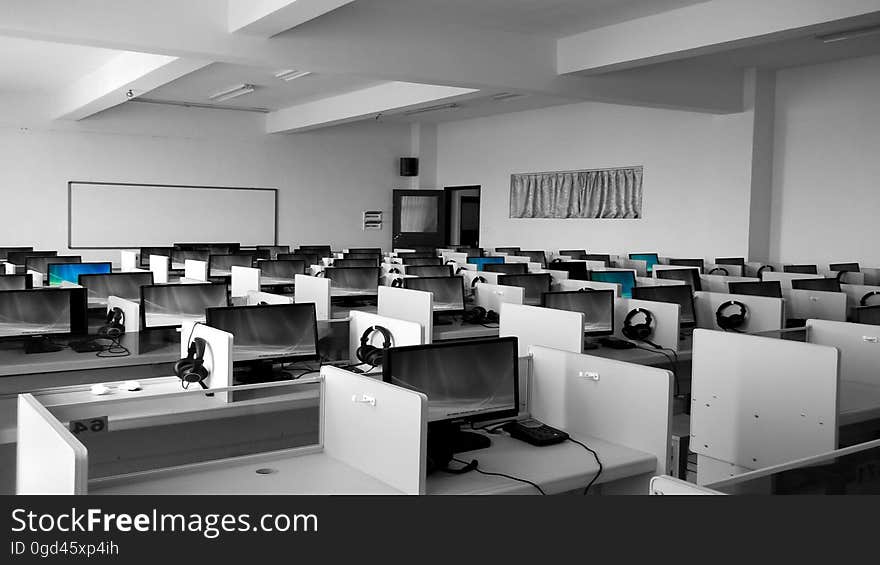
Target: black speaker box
{"type": "Point", "coordinates": [409, 167]}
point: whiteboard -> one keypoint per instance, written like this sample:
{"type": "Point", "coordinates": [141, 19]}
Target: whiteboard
{"type": "Point", "coordinates": [111, 216]}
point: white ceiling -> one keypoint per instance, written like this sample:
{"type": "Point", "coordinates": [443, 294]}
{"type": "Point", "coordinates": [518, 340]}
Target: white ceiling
{"type": "Point", "coordinates": [271, 93]}
{"type": "Point", "coordinates": [28, 66]}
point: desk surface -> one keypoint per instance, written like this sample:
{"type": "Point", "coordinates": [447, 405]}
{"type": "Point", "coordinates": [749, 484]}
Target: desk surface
{"type": "Point", "coordinates": [458, 329]}
{"type": "Point", "coordinates": [642, 356]}
{"type": "Point", "coordinates": [857, 402]}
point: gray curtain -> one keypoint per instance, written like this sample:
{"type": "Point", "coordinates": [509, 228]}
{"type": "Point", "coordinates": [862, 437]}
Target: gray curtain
{"type": "Point", "coordinates": [606, 193]}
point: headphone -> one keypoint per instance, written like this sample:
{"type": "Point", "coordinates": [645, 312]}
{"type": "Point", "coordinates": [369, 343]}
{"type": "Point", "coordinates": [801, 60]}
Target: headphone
{"type": "Point", "coordinates": [459, 270]}
{"type": "Point", "coordinates": [840, 275]}
{"type": "Point", "coordinates": [557, 260]}
{"type": "Point", "coordinates": [370, 354]}
{"type": "Point", "coordinates": [864, 299]}
{"type": "Point", "coordinates": [397, 282]}
{"type": "Point", "coordinates": [765, 267]}
{"type": "Point", "coordinates": [479, 315]}
{"type": "Point", "coordinates": [641, 331]}
{"type": "Point", "coordinates": [722, 269]}
{"type": "Point", "coordinates": [478, 279]}
{"type": "Point", "coordinates": [728, 322]}
{"type": "Point", "coordinates": [394, 271]}
{"type": "Point", "coordinates": [114, 324]}
{"type": "Point", "coordinates": [450, 262]}
{"type": "Point", "coordinates": [320, 273]}
{"type": "Point", "coordinates": [191, 369]}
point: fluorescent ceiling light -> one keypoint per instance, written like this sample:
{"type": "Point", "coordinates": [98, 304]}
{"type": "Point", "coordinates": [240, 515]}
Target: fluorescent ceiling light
{"type": "Point", "coordinates": [291, 74]}
{"type": "Point", "coordinates": [233, 92]}
{"type": "Point", "coordinates": [849, 34]}
{"type": "Point", "coordinates": [452, 106]}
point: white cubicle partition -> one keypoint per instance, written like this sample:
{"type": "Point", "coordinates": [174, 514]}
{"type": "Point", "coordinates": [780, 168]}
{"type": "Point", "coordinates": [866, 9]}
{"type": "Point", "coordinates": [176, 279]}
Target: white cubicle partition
{"type": "Point", "coordinates": [244, 280]}
{"type": "Point", "coordinates": [640, 267]}
{"type": "Point", "coordinates": [533, 325]}
{"type": "Point", "coordinates": [872, 276]}
{"type": "Point", "coordinates": [38, 279]}
{"type": "Point", "coordinates": [759, 401]}
{"type": "Point", "coordinates": [195, 270]}
{"type": "Point", "coordinates": [128, 261]}
{"type": "Point", "coordinates": [855, 292]}
{"type": "Point", "coordinates": [255, 298]}
{"type": "Point", "coordinates": [516, 259]}
{"type": "Point", "coordinates": [764, 314]}
{"type": "Point", "coordinates": [649, 281]}
{"type": "Point", "coordinates": [376, 428]}
{"type": "Point", "coordinates": [622, 403]}
{"type": "Point", "coordinates": [459, 258]}
{"type": "Point", "coordinates": [313, 289]}
{"type": "Point", "coordinates": [412, 305]}
{"type": "Point", "coordinates": [131, 312]}
{"type": "Point", "coordinates": [667, 320]}
{"type": "Point", "coordinates": [469, 276]}
{"type": "Point", "coordinates": [858, 344]}
{"type": "Point", "coordinates": [571, 284]}
{"type": "Point", "coordinates": [50, 460]}
{"type": "Point", "coordinates": [8, 268]}
{"type": "Point", "coordinates": [732, 270]}
{"type": "Point", "coordinates": [785, 278]}
{"type": "Point", "coordinates": [804, 304]}
{"type": "Point", "coordinates": [159, 265]}
{"type": "Point", "coordinates": [666, 485]}
{"type": "Point", "coordinates": [718, 283]}
{"type": "Point", "coordinates": [402, 332]}
{"type": "Point", "coordinates": [218, 354]}
{"type": "Point", "coordinates": [492, 296]}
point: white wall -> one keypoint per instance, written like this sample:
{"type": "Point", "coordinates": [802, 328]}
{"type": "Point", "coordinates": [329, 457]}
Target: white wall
{"type": "Point", "coordinates": [326, 178]}
{"type": "Point", "coordinates": [826, 181]}
{"type": "Point", "coordinates": [697, 170]}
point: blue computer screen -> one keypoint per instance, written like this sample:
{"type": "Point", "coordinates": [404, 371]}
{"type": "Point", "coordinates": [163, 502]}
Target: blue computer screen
{"type": "Point", "coordinates": [650, 258]}
{"type": "Point", "coordinates": [70, 272]}
{"type": "Point", "coordinates": [480, 262]}
{"type": "Point", "coordinates": [626, 280]}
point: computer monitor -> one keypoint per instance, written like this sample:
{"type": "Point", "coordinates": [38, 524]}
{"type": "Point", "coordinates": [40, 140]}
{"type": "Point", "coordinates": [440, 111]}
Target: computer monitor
{"type": "Point", "coordinates": [179, 257]}
{"type": "Point", "coordinates": [15, 282]}
{"type": "Point", "coordinates": [258, 254]}
{"type": "Point", "coordinates": [696, 263]}
{"type": "Point", "coordinates": [20, 257]}
{"type": "Point", "coordinates": [817, 285]}
{"type": "Point", "coordinates": [508, 250]}
{"type": "Point", "coordinates": [680, 294]}
{"type": "Point", "coordinates": [404, 255]}
{"type": "Point", "coordinates": [145, 252]}
{"type": "Point", "coordinates": [38, 312]}
{"type": "Point", "coordinates": [307, 258]}
{"type": "Point", "coordinates": [577, 270]}
{"type": "Point", "coordinates": [534, 285]}
{"type": "Point", "coordinates": [356, 262]}
{"type": "Point", "coordinates": [122, 285]}
{"type": "Point", "coordinates": [70, 272]}
{"type": "Point", "coordinates": [448, 292]}
{"type": "Point", "coordinates": [171, 305]}
{"type": "Point", "coordinates": [535, 257]}
{"type": "Point", "coordinates": [801, 269]}
{"type": "Point", "coordinates": [365, 251]}
{"type": "Point", "coordinates": [596, 305]}
{"type": "Point", "coordinates": [353, 281]}
{"type": "Point", "coordinates": [429, 270]}
{"type": "Point", "coordinates": [868, 315]}
{"type": "Point", "coordinates": [470, 251]}
{"type": "Point", "coordinates": [738, 261]}
{"type": "Point", "coordinates": [377, 257]}
{"type": "Point", "coordinates": [41, 264]}
{"type": "Point", "coordinates": [844, 267]}
{"type": "Point", "coordinates": [481, 262]}
{"type": "Point", "coordinates": [770, 289]}
{"type": "Point", "coordinates": [5, 251]}
{"type": "Point", "coordinates": [650, 259]}
{"type": "Point", "coordinates": [598, 257]}
{"type": "Point", "coordinates": [221, 265]}
{"type": "Point", "coordinates": [421, 261]}
{"type": "Point", "coordinates": [319, 250]}
{"type": "Point", "coordinates": [690, 275]}
{"type": "Point", "coordinates": [279, 332]}
{"type": "Point", "coordinates": [280, 271]}
{"type": "Point", "coordinates": [211, 248]}
{"type": "Point", "coordinates": [576, 254]}
{"type": "Point", "coordinates": [274, 250]}
{"type": "Point", "coordinates": [507, 268]}
{"type": "Point", "coordinates": [626, 280]}
{"type": "Point", "coordinates": [465, 381]}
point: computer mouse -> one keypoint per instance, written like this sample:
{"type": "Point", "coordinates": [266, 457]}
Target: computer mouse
{"type": "Point", "coordinates": [131, 386]}
{"type": "Point", "coordinates": [100, 389]}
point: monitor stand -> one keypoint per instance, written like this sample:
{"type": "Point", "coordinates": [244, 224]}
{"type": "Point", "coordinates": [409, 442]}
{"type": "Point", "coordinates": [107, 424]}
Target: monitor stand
{"type": "Point", "coordinates": [451, 438]}
{"type": "Point", "coordinates": [41, 344]}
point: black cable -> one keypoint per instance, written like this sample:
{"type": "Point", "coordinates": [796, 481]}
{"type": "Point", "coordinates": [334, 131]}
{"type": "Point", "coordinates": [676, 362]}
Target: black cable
{"type": "Point", "coordinates": [598, 461]}
{"type": "Point", "coordinates": [673, 364]}
{"type": "Point", "coordinates": [492, 428]}
{"type": "Point", "coordinates": [115, 349]}
{"type": "Point", "coordinates": [480, 471]}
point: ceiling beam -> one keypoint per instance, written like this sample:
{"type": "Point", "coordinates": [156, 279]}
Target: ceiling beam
{"type": "Point", "coordinates": [266, 18]}
{"type": "Point", "coordinates": [357, 105]}
{"type": "Point", "coordinates": [699, 29]}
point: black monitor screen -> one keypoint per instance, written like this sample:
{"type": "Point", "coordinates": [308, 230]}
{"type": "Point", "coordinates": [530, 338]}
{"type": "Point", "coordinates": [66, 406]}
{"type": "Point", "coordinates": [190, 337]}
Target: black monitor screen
{"type": "Point", "coordinates": [471, 251]}
{"type": "Point", "coordinates": [5, 251]}
{"type": "Point", "coordinates": [121, 285]}
{"type": "Point", "coordinates": [20, 257]}
{"type": "Point", "coordinates": [868, 315]}
{"type": "Point", "coordinates": [307, 258]}
{"type": "Point", "coordinates": [429, 270]}
{"type": "Point", "coordinates": [508, 250]}
{"type": "Point", "coordinates": [147, 251]}
{"type": "Point", "coordinates": [281, 332]}
{"type": "Point", "coordinates": [41, 264]}
{"type": "Point", "coordinates": [576, 254]}
{"type": "Point", "coordinates": [680, 294]}
{"type": "Point", "coordinates": [319, 250]}
{"type": "Point", "coordinates": [43, 312]}
{"type": "Point", "coordinates": [535, 257]}
{"type": "Point", "coordinates": [274, 250]}
{"type": "Point", "coordinates": [365, 251]}
{"type": "Point", "coordinates": [576, 270]}
{"type": "Point", "coordinates": [221, 265]}
{"type": "Point", "coordinates": [179, 257]}
{"type": "Point", "coordinates": [689, 276]}
{"type": "Point", "coordinates": [465, 380]}
{"type": "Point", "coordinates": [15, 282]}
{"type": "Point", "coordinates": [817, 285]}
{"type": "Point", "coordinates": [171, 305]}
{"type": "Point", "coordinates": [281, 271]}
{"type": "Point", "coordinates": [210, 248]}
{"type": "Point", "coordinates": [801, 269]}
{"type": "Point", "coordinates": [739, 261]}
{"type": "Point", "coordinates": [596, 305]}
{"type": "Point", "coordinates": [697, 263]}
{"type": "Point", "coordinates": [845, 267]}
{"type": "Point", "coordinates": [507, 268]}
{"type": "Point", "coordinates": [598, 257]}
{"type": "Point", "coordinates": [416, 255]}
{"type": "Point", "coordinates": [353, 281]}
{"type": "Point", "coordinates": [356, 262]}
{"type": "Point", "coordinates": [421, 261]}
{"type": "Point", "coordinates": [448, 291]}
{"type": "Point", "coordinates": [534, 285]}
{"type": "Point", "coordinates": [770, 289]}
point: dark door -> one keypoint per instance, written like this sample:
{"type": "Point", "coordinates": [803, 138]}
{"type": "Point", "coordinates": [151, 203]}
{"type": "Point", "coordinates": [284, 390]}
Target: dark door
{"type": "Point", "coordinates": [419, 219]}
{"type": "Point", "coordinates": [470, 221]}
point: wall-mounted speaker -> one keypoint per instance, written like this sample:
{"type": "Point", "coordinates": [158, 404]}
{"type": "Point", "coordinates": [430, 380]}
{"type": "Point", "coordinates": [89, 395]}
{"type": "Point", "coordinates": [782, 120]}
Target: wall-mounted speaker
{"type": "Point", "coordinates": [409, 166]}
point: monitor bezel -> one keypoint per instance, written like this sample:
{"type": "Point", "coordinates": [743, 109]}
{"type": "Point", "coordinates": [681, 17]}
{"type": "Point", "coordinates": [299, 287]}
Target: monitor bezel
{"type": "Point", "coordinates": [441, 312]}
{"type": "Point", "coordinates": [111, 274]}
{"type": "Point", "coordinates": [79, 316]}
{"type": "Point", "coordinates": [609, 292]}
{"type": "Point", "coordinates": [143, 312]}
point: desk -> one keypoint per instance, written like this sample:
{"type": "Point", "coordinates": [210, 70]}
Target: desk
{"type": "Point", "coordinates": [458, 329]}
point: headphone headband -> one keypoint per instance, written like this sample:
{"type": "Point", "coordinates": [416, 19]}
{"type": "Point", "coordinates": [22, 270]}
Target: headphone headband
{"type": "Point", "coordinates": [722, 269]}
{"type": "Point", "coordinates": [387, 338]}
{"type": "Point", "coordinates": [731, 321]}
{"type": "Point", "coordinates": [864, 300]}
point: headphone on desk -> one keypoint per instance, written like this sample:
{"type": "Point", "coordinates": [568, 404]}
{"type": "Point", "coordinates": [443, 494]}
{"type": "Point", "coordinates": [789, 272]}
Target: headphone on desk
{"type": "Point", "coordinates": [864, 300]}
{"type": "Point", "coordinates": [724, 271]}
{"type": "Point", "coordinates": [394, 271]}
{"type": "Point", "coordinates": [191, 369]}
{"type": "Point", "coordinates": [114, 324]}
{"type": "Point", "coordinates": [479, 315]}
{"type": "Point", "coordinates": [370, 354]}
{"type": "Point", "coordinates": [762, 268]}
{"type": "Point", "coordinates": [731, 322]}
{"type": "Point", "coordinates": [397, 282]}
{"type": "Point", "coordinates": [640, 331]}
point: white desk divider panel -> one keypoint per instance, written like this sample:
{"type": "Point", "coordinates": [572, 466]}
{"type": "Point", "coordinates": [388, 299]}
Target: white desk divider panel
{"type": "Point", "coordinates": [403, 332]}
{"type": "Point", "coordinates": [667, 321]}
{"type": "Point", "coordinates": [759, 401]}
{"type": "Point", "coordinates": [595, 265]}
{"type": "Point", "coordinates": [785, 278]}
{"type": "Point", "coordinates": [804, 304]}
{"type": "Point", "coordinates": [764, 313]}
{"type": "Point", "coordinates": [131, 312]}
{"type": "Point", "coordinates": [386, 268]}
{"type": "Point", "coordinates": [403, 250]}
{"type": "Point", "coordinates": [556, 277]}
{"type": "Point", "coordinates": [622, 403]}
{"type": "Point", "coordinates": [492, 296]}
{"type": "Point", "coordinates": [315, 269]}
{"type": "Point", "coordinates": [159, 264]}
{"type": "Point", "coordinates": [646, 281]}
{"type": "Point", "coordinates": [195, 270]}
{"type": "Point", "coordinates": [571, 284]}
{"type": "Point", "coordinates": [68, 284]}
{"type": "Point", "coordinates": [377, 428]}
{"type": "Point", "coordinates": [460, 258]}
{"type": "Point", "coordinates": [849, 278]}
{"type": "Point", "coordinates": [718, 283]}
{"type": "Point", "coordinates": [872, 276]}
{"type": "Point", "coordinates": [411, 305]}
{"type": "Point", "coordinates": [515, 259]}
{"type": "Point", "coordinates": [185, 280]}
{"type": "Point", "coordinates": [50, 460]}
{"type": "Point", "coordinates": [218, 354]}
{"type": "Point", "coordinates": [640, 267]}
{"type": "Point", "coordinates": [9, 268]}
{"type": "Point", "coordinates": [533, 325]}
{"type": "Point", "coordinates": [39, 279]}
{"type": "Point", "coordinates": [858, 344]}
{"type": "Point", "coordinates": [128, 261]}
{"type": "Point", "coordinates": [533, 267]}
{"type": "Point", "coordinates": [855, 292]}
{"type": "Point", "coordinates": [313, 289]}
{"type": "Point", "coordinates": [244, 280]}
{"type": "Point", "coordinates": [469, 276]}
{"type": "Point", "coordinates": [466, 267]}
{"type": "Point", "coordinates": [255, 298]}
{"type": "Point", "coordinates": [732, 270]}
{"type": "Point", "coordinates": [666, 485]}
{"type": "Point", "coordinates": [664, 267]}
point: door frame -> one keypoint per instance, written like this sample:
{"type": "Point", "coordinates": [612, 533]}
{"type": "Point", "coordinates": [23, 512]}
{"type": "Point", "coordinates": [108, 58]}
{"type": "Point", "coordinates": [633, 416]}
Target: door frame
{"type": "Point", "coordinates": [450, 195]}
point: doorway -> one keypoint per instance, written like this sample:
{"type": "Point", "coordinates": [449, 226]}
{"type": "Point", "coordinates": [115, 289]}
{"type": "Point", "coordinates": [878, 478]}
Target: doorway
{"type": "Point", "coordinates": [463, 216]}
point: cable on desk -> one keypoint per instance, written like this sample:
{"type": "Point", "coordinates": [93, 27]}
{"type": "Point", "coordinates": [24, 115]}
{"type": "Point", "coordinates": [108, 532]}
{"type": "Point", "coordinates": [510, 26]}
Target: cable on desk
{"type": "Point", "coordinates": [491, 474]}
{"type": "Point", "coordinates": [598, 461]}
{"type": "Point", "coordinates": [673, 364]}
{"type": "Point", "coordinates": [115, 349]}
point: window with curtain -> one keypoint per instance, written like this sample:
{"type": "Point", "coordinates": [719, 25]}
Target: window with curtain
{"type": "Point", "coordinates": [602, 193]}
